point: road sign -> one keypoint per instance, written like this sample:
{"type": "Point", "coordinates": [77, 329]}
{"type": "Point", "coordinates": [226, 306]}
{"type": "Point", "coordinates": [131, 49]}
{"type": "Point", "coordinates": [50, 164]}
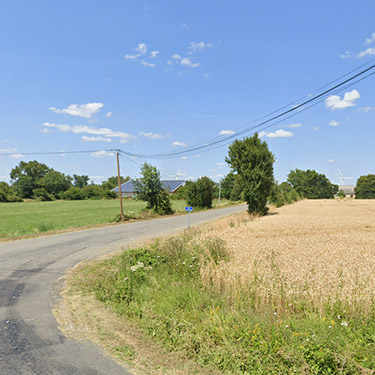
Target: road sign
{"type": "Point", "coordinates": [188, 208]}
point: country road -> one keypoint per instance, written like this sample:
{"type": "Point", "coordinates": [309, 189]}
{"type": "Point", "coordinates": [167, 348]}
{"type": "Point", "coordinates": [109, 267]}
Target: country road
{"type": "Point", "coordinates": [30, 341]}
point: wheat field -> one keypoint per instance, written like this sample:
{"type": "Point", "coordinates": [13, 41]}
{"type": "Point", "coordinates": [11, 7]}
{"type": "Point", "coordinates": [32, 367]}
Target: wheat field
{"type": "Point", "coordinates": [317, 254]}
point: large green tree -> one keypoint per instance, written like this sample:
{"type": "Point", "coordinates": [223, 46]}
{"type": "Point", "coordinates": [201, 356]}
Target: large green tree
{"type": "Point", "coordinates": [55, 182]}
{"type": "Point", "coordinates": [365, 188]}
{"type": "Point", "coordinates": [251, 159]}
{"type": "Point", "coordinates": [80, 181]}
{"type": "Point", "coordinates": [149, 189]}
{"type": "Point", "coordinates": [311, 184]}
{"type": "Point", "coordinates": [26, 177]}
{"type": "Point", "coordinates": [200, 193]}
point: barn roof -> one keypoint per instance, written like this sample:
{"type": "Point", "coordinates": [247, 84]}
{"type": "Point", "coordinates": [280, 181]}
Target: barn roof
{"type": "Point", "coordinates": [170, 185]}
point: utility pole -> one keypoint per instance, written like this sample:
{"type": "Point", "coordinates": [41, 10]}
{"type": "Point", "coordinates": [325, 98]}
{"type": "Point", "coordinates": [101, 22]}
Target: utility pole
{"type": "Point", "coordinates": [218, 203]}
{"type": "Point", "coordinates": [119, 186]}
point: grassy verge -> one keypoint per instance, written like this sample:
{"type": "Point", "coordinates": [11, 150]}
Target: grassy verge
{"type": "Point", "coordinates": [160, 288]}
{"type": "Point", "coordinates": [29, 218]}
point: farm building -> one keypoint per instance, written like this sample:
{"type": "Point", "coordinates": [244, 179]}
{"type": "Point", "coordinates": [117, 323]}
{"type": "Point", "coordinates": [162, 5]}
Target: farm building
{"type": "Point", "coordinates": [128, 187]}
{"type": "Point", "coordinates": [348, 190]}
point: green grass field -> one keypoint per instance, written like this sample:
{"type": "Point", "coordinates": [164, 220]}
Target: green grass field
{"type": "Point", "coordinates": [28, 218]}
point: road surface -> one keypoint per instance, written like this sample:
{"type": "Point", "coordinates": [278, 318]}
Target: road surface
{"type": "Point", "coordinates": [30, 341]}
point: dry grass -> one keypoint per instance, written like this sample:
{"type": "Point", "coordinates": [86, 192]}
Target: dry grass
{"type": "Point", "coordinates": [316, 252]}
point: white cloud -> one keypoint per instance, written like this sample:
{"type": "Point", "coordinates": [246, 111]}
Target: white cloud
{"type": "Point", "coordinates": [108, 114]}
{"type": "Point", "coordinates": [78, 129]}
{"type": "Point", "coordinates": [140, 50]}
{"type": "Point", "coordinates": [147, 64]}
{"type": "Point", "coordinates": [176, 57]}
{"type": "Point", "coordinates": [80, 110]}
{"type": "Point", "coordinates": [206, 75]}
{"type": "Point", "coordinates": [199, 46]}
{"type": "Point", "coordinates": [96, 139]}
{"type": "Point", "coordinates": [16, 156]}
{"type": "Point", "coordinates": [294, 126]}
{"type": "Point", "coordinates": [331, 160]}
{"type": "Point", "coordinates": [366, 109]}
{"type": "Point", "coordinates": [46, 130]}
{"type": "Point", "coordinates": [184, 157]}
{"type": "Point", "coordinates": [334, 102]}
{"type": "Point", "coordinates": [153, 54]}
{"type": "Point", "coordinates": [102, 154]}
{"type": "Point", "coordinates": [220, 164]}
{"type": "Point", "coordinates": [370, 40]}
{"type": "Point", "coordinates": [226, 132]}
{"type": "Point", "coordinates": [334, 123]}
{"type": "Point", "coordinates": [262, 134]}
{"type": "Point", "coordinates": [280, 134]}
{"type": "Point", "coordinates": [346, 55]}
{"type": "Point", "coordinates": [367, 52]}
{"type": "Point", "coordinates": [180, 144]}
{"type": "Point", "coordinates": [150, 135]}
{"type": "Point", "coordinates": [187, 62]}
{"type": "Point", "coordinates": [315, 128]}
{"type": "Point", "coordinates": [8, 150]}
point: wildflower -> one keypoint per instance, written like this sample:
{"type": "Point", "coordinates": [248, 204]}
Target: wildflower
{"type": "Point", "coordinates": [286, 326]}
{"type": "Point", "coordinates": [345, 324]}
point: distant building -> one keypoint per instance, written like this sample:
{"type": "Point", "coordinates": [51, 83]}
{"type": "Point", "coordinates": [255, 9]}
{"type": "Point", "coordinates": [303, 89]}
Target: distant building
{"type": "Point", "coordinates": [348, 190]}
{"type": "Point", "coordinates": [128, 187]}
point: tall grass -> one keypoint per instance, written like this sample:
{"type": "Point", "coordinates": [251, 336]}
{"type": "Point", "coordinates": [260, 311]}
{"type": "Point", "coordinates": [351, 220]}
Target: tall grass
{"type": "Point", "coordinates": [250, 298]}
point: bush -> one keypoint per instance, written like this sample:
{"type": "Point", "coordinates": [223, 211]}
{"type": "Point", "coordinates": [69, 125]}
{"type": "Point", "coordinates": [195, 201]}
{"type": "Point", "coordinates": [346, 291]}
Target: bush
{"type": "Point", "coordinates": [73, 194]}
{"type": "Point", "coordinates": [42, 195]}
{"type": "Point", "coordinates": [365, 188]}
{"type": "Point", "coordinates": [200, 193]}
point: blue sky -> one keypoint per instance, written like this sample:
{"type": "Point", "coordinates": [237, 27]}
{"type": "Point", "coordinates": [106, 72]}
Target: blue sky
{"type": "Point", "coordinates": [157, 76]}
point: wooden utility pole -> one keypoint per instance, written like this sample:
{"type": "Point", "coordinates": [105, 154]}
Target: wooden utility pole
{"type": "Point", "coordinates": [119, 186]}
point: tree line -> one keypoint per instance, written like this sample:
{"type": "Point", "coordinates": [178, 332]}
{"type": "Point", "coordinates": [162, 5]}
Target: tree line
{"type": "Point", "coordinates": [250, 179]}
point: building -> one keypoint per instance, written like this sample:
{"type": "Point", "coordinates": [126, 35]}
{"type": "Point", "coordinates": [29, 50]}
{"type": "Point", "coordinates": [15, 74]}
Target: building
{"type": "Point", "coordinates": [128, 187]}
{"type": "Point", "coordinates": [348, 190]}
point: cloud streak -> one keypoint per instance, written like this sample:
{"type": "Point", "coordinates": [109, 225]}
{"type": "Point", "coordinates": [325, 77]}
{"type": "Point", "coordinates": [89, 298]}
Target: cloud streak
{"type": "Point", "coordinates": [79, 110]}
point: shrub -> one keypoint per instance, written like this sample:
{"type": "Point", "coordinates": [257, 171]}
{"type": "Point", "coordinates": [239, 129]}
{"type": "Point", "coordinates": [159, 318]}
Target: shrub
{"type": "Point", "coordinates": [200, 193]}
{"type": "Point", "coordinates": [42, 195]}
{"type": "Point", "coordinates": [73, 194]}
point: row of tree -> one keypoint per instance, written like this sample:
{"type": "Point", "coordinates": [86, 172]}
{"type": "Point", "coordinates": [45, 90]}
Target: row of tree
{"type": "Point", "coordinates": [34, 180]}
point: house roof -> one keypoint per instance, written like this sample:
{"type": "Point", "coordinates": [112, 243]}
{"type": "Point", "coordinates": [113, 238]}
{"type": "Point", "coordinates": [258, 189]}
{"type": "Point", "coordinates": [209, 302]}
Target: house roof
{"type": "Point", "coordinates": [170, 185]}
{"type": "Point", "coordinates": [347, 189]}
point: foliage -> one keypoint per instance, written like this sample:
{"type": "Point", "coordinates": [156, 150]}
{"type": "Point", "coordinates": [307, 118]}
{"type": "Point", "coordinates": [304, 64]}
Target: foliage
{"type": "Point", "coordinates": [80, 181]}
{"type": "Point", "coordinates": [312, 185]}
{"type": "Point", "coordinates": [231, 187]}
{"type": "Point", "coordinates": [160, 289]}
{"type": "Point", "coordinates": [73, 194]}
{"type": "Point", "coordinates": [283, 194]}
{"type": "Point", "coordinates": [149, 189]}
{"type": "Point", "coordinates": [200, 193]}
{"type": "Point", "coordinates": [341, 194]}
{"type": "Point", "coordinates": [112, 182]}
{"type": "Point", "coordinates": [42, 195]}
{"type": "Point", "coordinates": [253, 162]}
{"type": "Point", "coordinates": [26, 177]}
{"type": "Point", "coordinates": [365, 188]}
{"type": "Point", "coordinates": [55, 182]}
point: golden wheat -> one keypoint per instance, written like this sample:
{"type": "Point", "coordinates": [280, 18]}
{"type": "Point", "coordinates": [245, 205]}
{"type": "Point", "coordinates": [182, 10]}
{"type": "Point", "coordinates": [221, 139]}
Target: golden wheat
{"type": "Point", "coordinates": [318, 253]}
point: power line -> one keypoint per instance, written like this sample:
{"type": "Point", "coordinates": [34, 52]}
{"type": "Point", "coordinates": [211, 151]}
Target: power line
{"type": "Point", "coordinates": [300, 108]}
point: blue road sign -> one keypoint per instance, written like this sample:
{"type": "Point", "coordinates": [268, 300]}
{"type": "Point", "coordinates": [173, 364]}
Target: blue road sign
{"type": "Point", "coordinates": [189, 208]}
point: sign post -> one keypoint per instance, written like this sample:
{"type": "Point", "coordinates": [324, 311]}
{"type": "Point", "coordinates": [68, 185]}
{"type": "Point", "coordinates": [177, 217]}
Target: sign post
{"type": "Point", "coordinates": [188, 209]}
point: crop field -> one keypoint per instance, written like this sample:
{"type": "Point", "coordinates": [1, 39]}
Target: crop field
{"type": "Point", "coordinates": [322, 252]}
{"type": "Point", "coordinates": [289, 293]}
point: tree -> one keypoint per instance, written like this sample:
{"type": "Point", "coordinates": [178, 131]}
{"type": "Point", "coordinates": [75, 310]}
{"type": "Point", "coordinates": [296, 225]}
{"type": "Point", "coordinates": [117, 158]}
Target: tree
{"type": "Point", "coordinates": [26, 177]}
{"type": "Point", "coordinates": [149, 189]}
{"type": "Point", "coordinates": [365, 188]}
{"type": "Point", "coordinates": [251, 159]}
{"type": "Point", "coordinates": [80, 181]}
{"type": "Point", "coordinates": [227, 185]}
{"type": "Point", "coordinates": [200, 193]}
{"type": "Point", "coordinates": [312, 185]}
{"type": "Point", "coordinates": [55, 182]}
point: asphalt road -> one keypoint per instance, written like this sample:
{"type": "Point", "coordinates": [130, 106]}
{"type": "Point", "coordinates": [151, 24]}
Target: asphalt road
{"type": "Point", "coordinates": [30, 341]}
